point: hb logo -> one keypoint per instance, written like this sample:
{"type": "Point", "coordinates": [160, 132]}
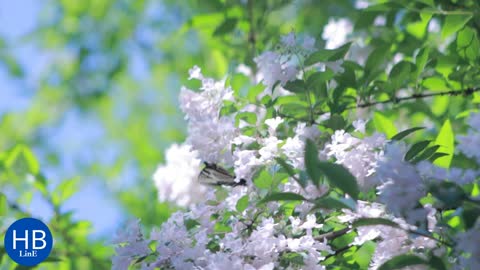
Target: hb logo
{"type": "Point", "coordinates": [28, 241]}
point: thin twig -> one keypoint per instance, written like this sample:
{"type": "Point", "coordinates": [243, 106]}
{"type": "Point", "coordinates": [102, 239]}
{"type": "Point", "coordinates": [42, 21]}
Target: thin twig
{"type": "Point", "coordinates": [464, 92]}
{"type": "Point", "coordinates": [333, 234]}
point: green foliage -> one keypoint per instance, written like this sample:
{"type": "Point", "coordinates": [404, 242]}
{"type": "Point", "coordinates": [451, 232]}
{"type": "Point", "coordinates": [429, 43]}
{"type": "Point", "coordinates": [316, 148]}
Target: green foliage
{"type": "Point", "coordinates": [446, 141]}
{"type": "Point", "coordinates": [101, 41]}
{"type": "Point", "coordinates": [282, 196]}
{"type": "Point", "coordinates": [401, 261]}
{"type": "Point", "coordinates": [399, 136]}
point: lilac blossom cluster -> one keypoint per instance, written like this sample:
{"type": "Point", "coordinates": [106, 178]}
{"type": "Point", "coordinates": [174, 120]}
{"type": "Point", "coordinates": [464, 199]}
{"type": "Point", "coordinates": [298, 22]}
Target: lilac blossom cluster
{"type": "Point", "coordinates": [216, 233]}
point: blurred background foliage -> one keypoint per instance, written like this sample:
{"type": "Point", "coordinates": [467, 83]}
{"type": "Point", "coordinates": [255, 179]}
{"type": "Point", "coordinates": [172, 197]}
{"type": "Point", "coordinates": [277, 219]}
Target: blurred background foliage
{"type": "Point", "coordinates": [88, 101]}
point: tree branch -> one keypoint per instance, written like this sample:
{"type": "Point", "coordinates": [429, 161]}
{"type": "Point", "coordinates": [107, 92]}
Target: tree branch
{"type": "Point", "coordinates": [464, 92]}
{"type": "Point", "coordinates": [333, 234]}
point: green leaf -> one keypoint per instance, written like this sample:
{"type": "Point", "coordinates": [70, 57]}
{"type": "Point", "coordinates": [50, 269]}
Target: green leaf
{"type": "Point", "coordinates": [405, 133]}
{"type": "Point", "coordinates": [402, 261]}
{"type": "Point", "coordinates": [291, 258]}
{"type": "Point", "coordinates": [227, 26]}
{"type": "Point", "coordinates": [283, 196]}
{"type": "Point", "coordinates": [12, 65]}
{"type": "Point", "coordinates": [453, 23]}
{"type": "Point", "coordinates": [32, 161]}
{"type": "Point", "coordinates": [3, 205]}
{"type": "Point", "coordinates": [22, 160]}
{"type": "Point", "coordinates": [421, 60]}
{"type": "Point", "coordinates": [190, 223]}
{"type": "Point", "coordinates": [2, 252]}
{"type": "Point", "coordinates": [437, 156]}
{"type": "Point", "coordinates": [364, 254]}
{"type": "Point", "coordinates": [435, 84]}
{"type": "Point", "coordinates": [426, 154]}
{"type": "Point", "coordinates": [312, 161]}
{"type": "Point", "coordinates": [400, 75]}
{"type": "Point", "coordinates": [242, 203]}
{"type": "Point", "coordinates": [336, 122]}
{"type": "Point", "coordinates": [263, 180]}
{"type": "Point", "coordinates": [384, 125]}
{"type": "Point", "coordinates": [446, 141]}
{"type": "Point", "coordinates": [468, 45]}
{"type": "Point", "coordinates": [437, 263]}
{"type": "Point", "coordinates": [248, 117]}
{"type": "Point", "coordinates": [320, 77]}
{"type": "Point", "coordinates": [254, 91]}
{"type": "Point", "coordinates": [64, 191]}
{"type": "Point", "coordinates": [221, 228]}
{"type": "Point", "coordinates": [416, 149]}
{"type": "Point", "coordinates": [373, 222]}
{"type": "Point", "coordinates": [376, 59]}
{"type": "Point", "coordinates": [289, 169]}
{"type": "Point", "coordinates": [328, 55]}
{"type": "Point", "coordinates": [338, 176]}
{"type": "Point", "coordinates": [296, 86]}
{"type": "Point", "coordinates": [331, 203]}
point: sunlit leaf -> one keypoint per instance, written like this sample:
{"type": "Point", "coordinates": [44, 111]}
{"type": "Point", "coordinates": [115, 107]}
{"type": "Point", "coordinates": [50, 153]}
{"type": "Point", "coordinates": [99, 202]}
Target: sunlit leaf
{"type": "Point", "coordinates": [384, 125]}
{"type": "Point", "coordinates": [453, 23]}
{"type": "Point", "coordinates": [446, 141]}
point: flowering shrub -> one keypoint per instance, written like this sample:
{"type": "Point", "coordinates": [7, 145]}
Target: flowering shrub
{"type": "Point", "coordinates": [323, 189]}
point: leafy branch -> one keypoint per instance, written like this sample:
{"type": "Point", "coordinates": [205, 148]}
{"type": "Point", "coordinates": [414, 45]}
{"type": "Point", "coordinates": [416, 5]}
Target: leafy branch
{"type": "Point", "coordinates": [395, 100]}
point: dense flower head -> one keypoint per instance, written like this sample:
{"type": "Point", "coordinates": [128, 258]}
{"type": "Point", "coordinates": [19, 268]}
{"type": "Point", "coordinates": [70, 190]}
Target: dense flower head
{"type": "Point", "coordinates": [360, 156]}
{"type": "Point", "coordinates": [176, 181]}
{"type": "Point", "coordinates": [467, 245]}
{"type": "Point", "coordinates": [284, 64]}
{"type": "Point", "coordinates": [469, 144]}
{"type": "Point", "coordinates": [288, 204]}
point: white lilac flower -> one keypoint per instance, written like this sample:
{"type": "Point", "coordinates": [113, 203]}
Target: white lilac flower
{"type": "Point", "coordinates": [467, 244]}
{"type": "Point", "coordinates": [305, 132]}
{"type": "Point", "coordinates": [359, 125]}
{"type": "Point", "coordinates": [335, 33]}
{"type": "Point", "coordinates": [359, 156]}
{"type": "Point", "coordinates": [391, 241]}
{"type": "Point", "coordinates": [209, 134]}
{"type": "Point", "coordinates": [131, 245]}
{"type": "Point", "coordinates": [243, 140]}
{"type": "Point", "coordinates": [213, 139]}
{"type": "Point", "coordinates": [361, 4]}
{"type": "Point", "coordinates": [308, 43]}
{"type": "Point", "coordinates": [434, 26]}
{"type": "Point", "coordinates": [206, 104]}
{"type": "Point", "coordinates": [289, 40]}
{"type": "Point", "coordinates": [269, 149]}
{"type": "Point", "coordinates": [469, 144]}
{"type": "Point", "coordinates": [402, 186]}
{"type": "Point", "coordinates": [273, 123]}
{"type": "Point", "coordinates": [176, 181]}
{"type": "Point", "coordinates": [195, 73]}
{"type": "Point", "coordinates": [294, 150]}
{"type": "Point", "coordinates": [245, 163]}
{"type": "Point", "coordinates": [273, 70]}
{"type": "Point", "coordinates": [433, 173]}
